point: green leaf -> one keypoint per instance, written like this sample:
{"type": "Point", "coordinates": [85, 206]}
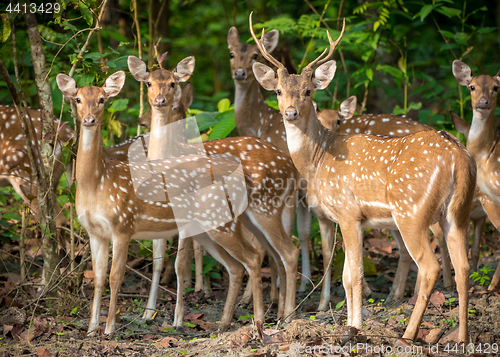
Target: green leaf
{"type": "Point", "coordinates": [6, 29]}
{"type": "Point", "coordinates": [449, 11]}
{"type": "Point", "coordinates": [393, 71]}
{"type": "Point", "coordinates": [223, 128]}
{"type": "Point", "coordinates": [14, 216]}
{"type": "Point", "coordinates": [425, 11]}
{"type": "Point", "coordinates": [376, 25]}
{"type": "Point", "coordinates": [484, 30]}
{"type": "Point", "coordinates": [118, 105]}
{"type": "Point", "coordinates": [339, 305]}
{"type": "Point", "coordinates": [402, 65]}
{"type": "Point", "coordinates": [369, 74]}
{"type": "Point", "coordinates": [95, 56]}
{"type": "Point", "coordinates": [206, 120]}
{"type": "Point", "coordinates": [87, 15]}
{"type": "Point", "coordinates": [223, 105]}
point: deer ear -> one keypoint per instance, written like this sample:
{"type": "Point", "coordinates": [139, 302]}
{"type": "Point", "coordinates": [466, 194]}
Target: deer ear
{"type": "Point", "coordinates": [67, 85]}
{"type": "Point", "coordinates": [462, 73]}
{"type": "Point", "coordinates": [187, 95]}
{"type": "Point", "coordinates": [184, 69]}
{"type": "Point", "coordinates": [497, 77]}
{"type": "Point", "coordinates": [233, 39]}
{"type": "Point", "coordinates": [114, 84]}
{"type": "Point", "coordinates": [329, 118]}
{"type": "Point", "coordinates": [177, 97]}
{"type": "Point", "coordinates": [324, 75]}
{"type": "Point", "coordinates": [460, 124]}
{"type": "Point", "coordinates": [271, 40]}
{"type": "Point", "coordinates": [138, 68]}
{"type": "Point", "coordinates": [265, 76]}
{"type": "Point", "coordinates": [348, 107]}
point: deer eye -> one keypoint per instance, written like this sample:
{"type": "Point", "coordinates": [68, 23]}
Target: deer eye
{"type": "Point", "coordinates": [172, 84]}
{"type": "Point", "coordinates": [308, 92]}
{"type": "Point", "coordinates": [495, 88]}
{"type": "Point", "coordinates": [231, 55]}
{"type": "Point", "coordinates": [255, 55]}
{"type": "Point", "coordinates": [101, 100]}
{"type": "Point", "coordinates": [78, 100]}
{"type": "Point", "coordinates": [472, 88]}
{"type": "Point", "coordinates": [148, 84]}
{"type": "Point", "coordinates": [338, 121]}
{"type": "Point", "coordinates": [278, 92]}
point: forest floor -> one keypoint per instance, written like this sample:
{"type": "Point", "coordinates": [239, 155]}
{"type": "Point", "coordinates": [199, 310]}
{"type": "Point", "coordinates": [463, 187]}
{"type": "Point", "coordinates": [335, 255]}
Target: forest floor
{"type": "Point", "coordinates": [58, 327]}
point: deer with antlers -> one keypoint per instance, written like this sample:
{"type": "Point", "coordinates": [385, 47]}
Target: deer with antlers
{"type": "Point", "coordinates": [163, 87]}
{"type": "Point", "coordinates": [407, 183]}
{"type": "Point", "coordinates": [253, 117]}
{"type": "Point", "coordinates": [482, 143]}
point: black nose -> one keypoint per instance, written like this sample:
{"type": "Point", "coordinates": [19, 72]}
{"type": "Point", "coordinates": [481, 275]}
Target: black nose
{"type": "Point", "coordinates": [160, 101]}
{"type": "Point", "coordinates": [89, 121]}
{"type": "Point", "coordinates": [239, 74]}
{"type": "Point", "coordinates": [291, 114]}
{"type": "Point", "coordinates": [483, 103]}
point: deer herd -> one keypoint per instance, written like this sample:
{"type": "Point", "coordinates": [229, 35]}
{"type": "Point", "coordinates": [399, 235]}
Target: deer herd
{"type": "Point", "coordinates": [239, 196]}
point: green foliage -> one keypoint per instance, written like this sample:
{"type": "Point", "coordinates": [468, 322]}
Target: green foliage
{"type": "Point", "coordinates": [482, 278]}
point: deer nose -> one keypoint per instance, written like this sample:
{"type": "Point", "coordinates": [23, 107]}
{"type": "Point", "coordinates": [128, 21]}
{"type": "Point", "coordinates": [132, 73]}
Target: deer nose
{"type": "Point", "coordinates": [89, 121]}
{"type": "Point", "coordinates": [291, 114]}
{"type": "Point", "coordinates": [240, 74]}
{"type": "Point", "coordinates": [483, 103]}
{"type": "Point", "coordinates": [160, 101]}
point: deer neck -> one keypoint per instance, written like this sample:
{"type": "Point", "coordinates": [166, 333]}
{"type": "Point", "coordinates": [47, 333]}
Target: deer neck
{"type": "Point", "coordinates": [307, 144]}
{"type": "Point", "coordinates": [248, 104]}
{"type": "Point", "coordinates": [90, 161]}
{"type": "Point", "coordinates": [482, 134]}
{"type": "Point", "coordinates": [160, 117]}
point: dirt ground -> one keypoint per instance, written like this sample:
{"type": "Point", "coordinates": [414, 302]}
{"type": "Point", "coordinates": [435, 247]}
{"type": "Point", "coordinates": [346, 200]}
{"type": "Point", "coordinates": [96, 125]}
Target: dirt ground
{"type": "Point", "coordinates": [59, 328]}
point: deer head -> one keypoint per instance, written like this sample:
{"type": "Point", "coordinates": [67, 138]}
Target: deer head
{"type": "Point", "coordinates": [331, 118]}
{"type": "Point", "coordinates": [90, 100]}
{"type": "Point", "coordinates": [483, 88]}
{"type": "Point", "coordinates": [294, 91]}
{"type": "Point", "coordinates": [243, 56]}
{"type": "Point", "coordinates": [163, 86]}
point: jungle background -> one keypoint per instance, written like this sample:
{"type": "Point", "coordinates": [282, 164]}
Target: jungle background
{"type": "Point", "coordinates": [395, 57]}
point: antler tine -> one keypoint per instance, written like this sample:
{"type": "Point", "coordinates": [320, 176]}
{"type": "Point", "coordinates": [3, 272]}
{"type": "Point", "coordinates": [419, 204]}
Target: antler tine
{"type": "Point", "coordinates": [260, 45]}
{"type": "Point", "coordinates": [318, 61]}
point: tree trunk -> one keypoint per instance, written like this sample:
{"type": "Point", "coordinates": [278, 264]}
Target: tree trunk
{"type": "Point", "coordinates": [44, 178]}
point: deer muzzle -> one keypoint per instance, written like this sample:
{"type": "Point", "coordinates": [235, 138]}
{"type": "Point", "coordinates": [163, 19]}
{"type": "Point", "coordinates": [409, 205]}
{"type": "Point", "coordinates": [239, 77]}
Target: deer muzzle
{"type": "Point", "coordinates": [160, 101]}
{"type": "Point", "coordinates": [483, 103]}
{"type": "Point", "coordinates": [291, 114]}
{"type": "Point", "coordinates": [240, 74]}
{"type": "Point", "coordinates": [89, 121]}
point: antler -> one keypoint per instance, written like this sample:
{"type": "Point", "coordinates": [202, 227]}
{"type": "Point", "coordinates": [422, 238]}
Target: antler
{"type": "Point", "coordinates": [262, 48]}
{"type": "Point", "coordinates": [318, 61]}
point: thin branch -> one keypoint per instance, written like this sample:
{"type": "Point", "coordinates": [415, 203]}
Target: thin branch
{"type": "Point", "coordinates": [139, 45]}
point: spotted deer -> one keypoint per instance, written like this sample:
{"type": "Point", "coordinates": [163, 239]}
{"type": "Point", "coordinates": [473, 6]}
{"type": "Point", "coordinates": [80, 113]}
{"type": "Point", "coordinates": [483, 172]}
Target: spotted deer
{"type": "Point", "coordinates": [271, 234]}
{"type": "Point", "coordinates": [407, 183]}
{"type": "Point", "coordinates": [110, 208]}
{"type": "Point", "coordinates": [15, 166]}
{"type": "Point", "coordinates": [344, 121]}
{"type": "Point", "coordinates": [253, 117]}
{"type": "Point", "coordinates": [482, 142]}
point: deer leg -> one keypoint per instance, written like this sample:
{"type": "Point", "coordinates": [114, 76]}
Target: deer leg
{"type": "Point", "coordinates": [273, 295]}
{"type": "Point", "coordinates": [304, 230]}
{"type": "Point", "coordinates": [159, 247]}
{"type": "Point", "coordinates": [198, 258]}
{"type": "Point", "coordinates": [180, 273]}
{"type": "Point", "coordinates": [236, 272]}
{"type": "Point", "coordinates": [247, 295]}
{"type": "Point", "coordinates": [418, 245]}
{"type": "Point", "coordinates": [445, 255]}
{"type": "Point", "coordinates": [493, 211]}
{"type": "Point", "coordinates": [327, 229]}
{"type": "Point", "coordinates": [100, 249]}
{"type": "Point", "coordinates": [353, 271]}
{"type": "Point", "coordinates": [478, 232]}
{"type": "Point", "coordinates": [399, 284]}
{"type": "Point", "coordinates": [120, 252]}
{"type": "Point", "coordinates": [456, 236]}
{"type": "Point", "coordinates": [188, 261]}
